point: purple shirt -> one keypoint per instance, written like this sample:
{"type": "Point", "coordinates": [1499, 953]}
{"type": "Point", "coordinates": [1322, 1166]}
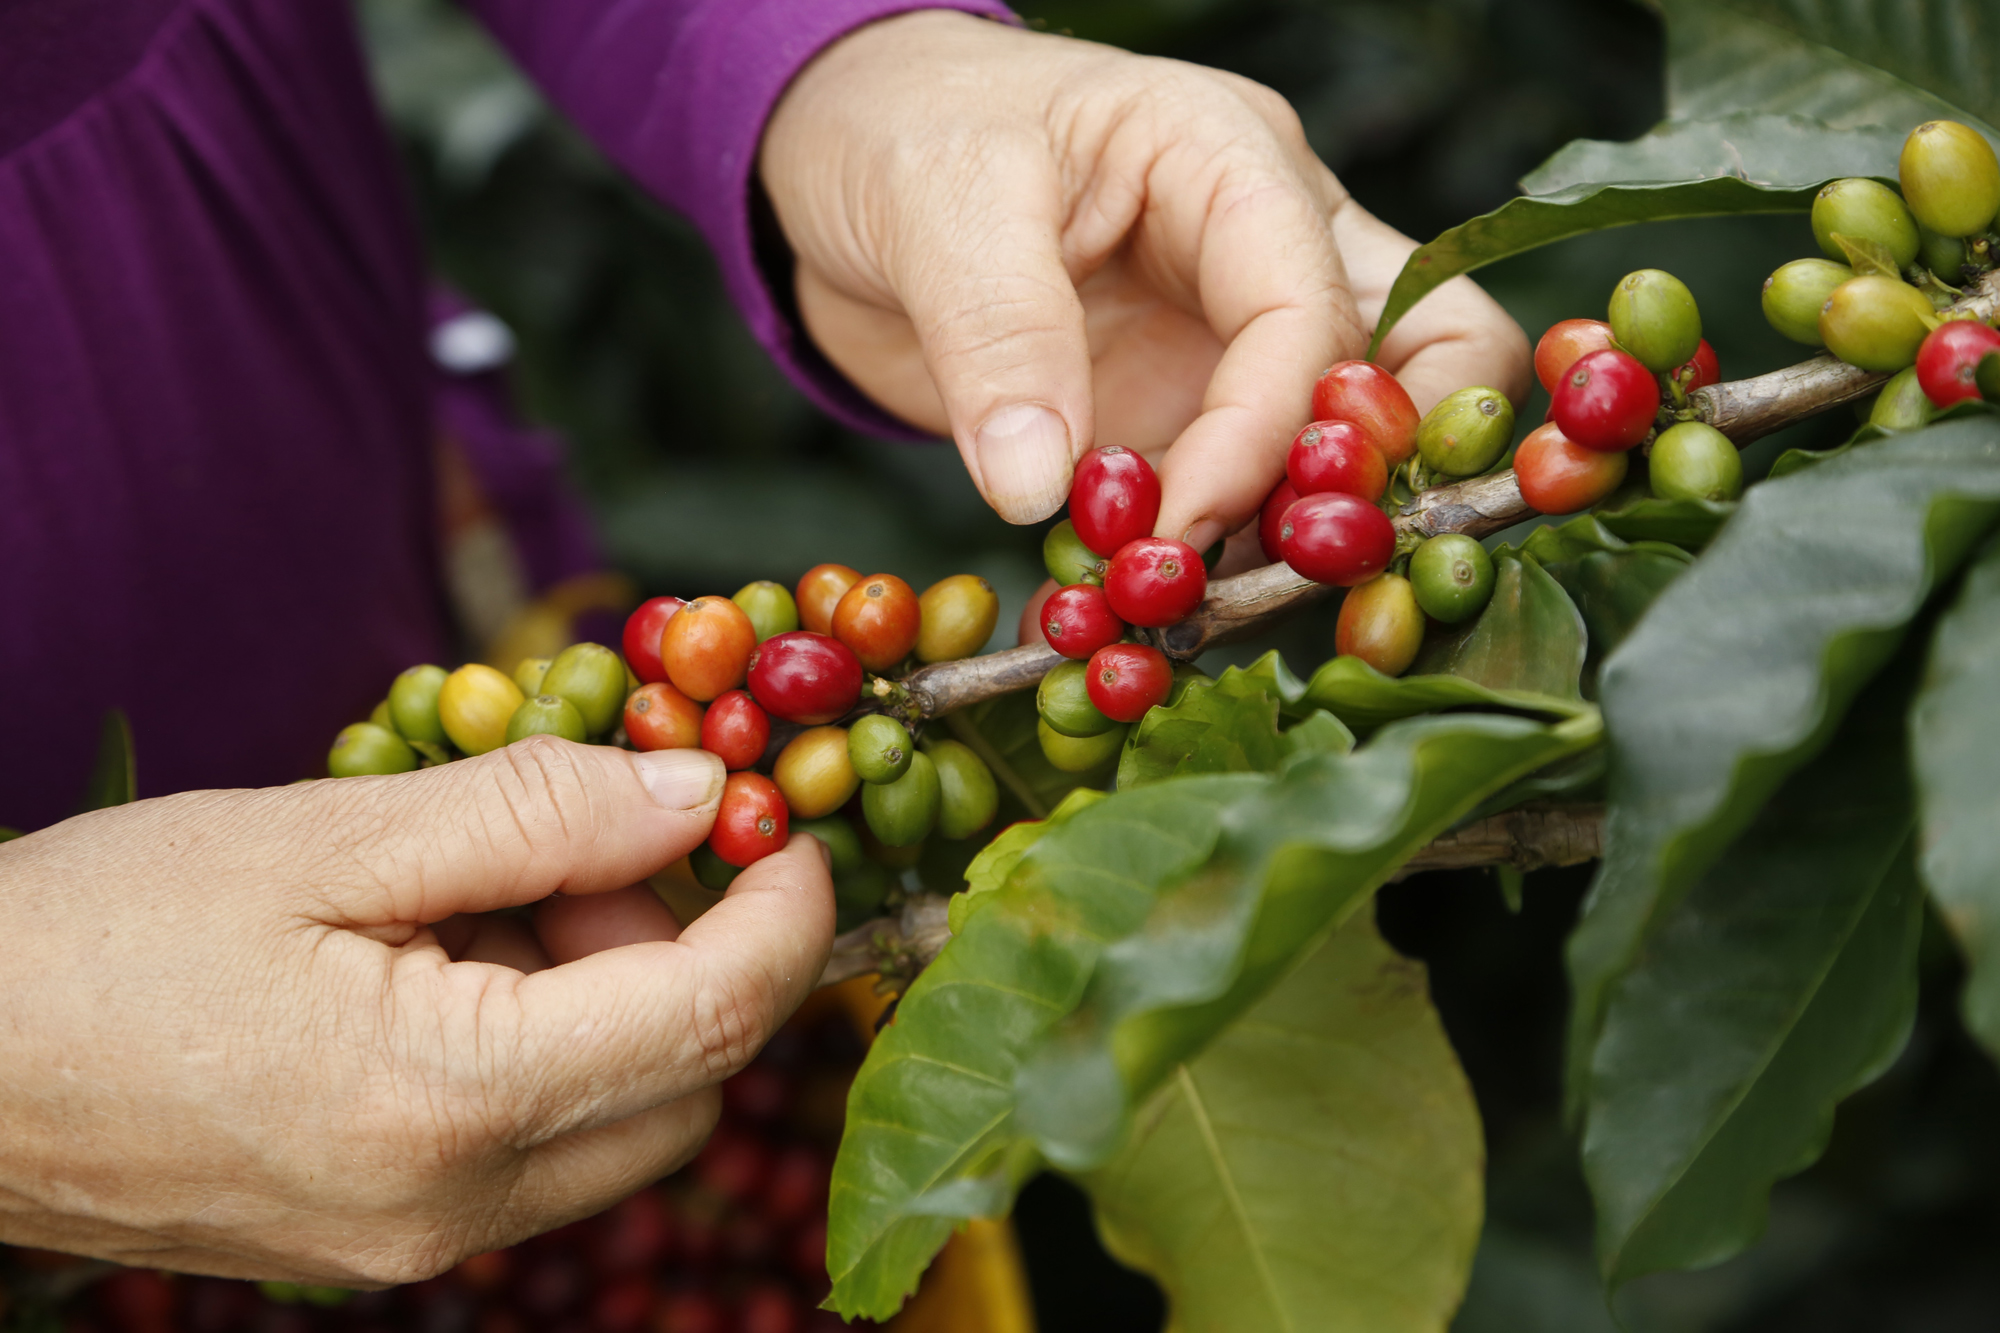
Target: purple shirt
{"type": "Point", "coordinates": [216, 499]}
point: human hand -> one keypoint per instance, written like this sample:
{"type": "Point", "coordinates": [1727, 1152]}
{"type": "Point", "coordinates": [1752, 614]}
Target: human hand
{"type": "Point", "coordinates": [1039, 245]}
{"type": "Point", "coordinates": [238, 1041]}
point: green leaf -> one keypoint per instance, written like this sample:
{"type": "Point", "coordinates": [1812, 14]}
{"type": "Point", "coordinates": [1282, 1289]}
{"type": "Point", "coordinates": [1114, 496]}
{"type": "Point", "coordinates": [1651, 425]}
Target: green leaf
{"type": "Point", "coordinates": [1612, 581]}
{"type": "Point", "coordinates": [1529, 638]}
{"type": "Point", "coordinates": [1868, 257]}
{"type": "Point", "coordinates": [1773, 151]}
{"type": "Point", "coordinates": [1364, 698]}
{"type": "Point", "coordinates": [1782, 981]}
{"type": "Point", "coordinates": [1225, 725]}
{"type": "Point", "coordinates": [1955, 742]}
{"type": "Point", "coordinates": [997, 859]}
{"type": "Point", "coordinates": [1320, 733]}
{"type": "Point", "coordinates": [1319, 1165]}
{"type": "Point", "coordinates": [113, 778]}
{"type": "Point", "coordinates": [1689, 523]}
{"type": "Point", "coordinates": [1746, 664]}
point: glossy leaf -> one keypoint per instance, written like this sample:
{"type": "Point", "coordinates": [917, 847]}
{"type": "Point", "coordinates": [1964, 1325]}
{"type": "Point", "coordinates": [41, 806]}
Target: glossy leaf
{"type": "Point", "coordinates": [1689, 523]}
{"type": "Point", "coordinates": [114, 777]}
{"type": "Point", "coordinates": [1225, 725]}
{"type": "Point", "coordinates": [1529, 638]}
{"type": "Point", "coordinates": [1610, 580]}
{"type": "Point", "coordinates": [1319, 1165]}
{"type": "Point", "coordinates": [1774, 151]}
{"type": "Point", "coordinates": [1364, 698]}
{"type": "Point", "coordinates": [997, 859]}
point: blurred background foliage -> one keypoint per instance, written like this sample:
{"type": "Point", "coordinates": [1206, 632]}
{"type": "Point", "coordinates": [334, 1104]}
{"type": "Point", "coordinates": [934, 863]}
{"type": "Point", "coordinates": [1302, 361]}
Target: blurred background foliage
{"type": "Point", "coordinates": [705, 470]}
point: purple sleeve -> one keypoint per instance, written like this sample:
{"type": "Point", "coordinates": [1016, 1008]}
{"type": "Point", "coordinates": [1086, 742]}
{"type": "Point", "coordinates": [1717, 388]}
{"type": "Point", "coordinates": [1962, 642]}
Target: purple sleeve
{"type": "Point", "coordinates": [677, 93]}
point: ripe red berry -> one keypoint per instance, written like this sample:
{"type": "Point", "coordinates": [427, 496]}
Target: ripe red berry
{"type": "Point", "coordinates": [689, 1312]}
{"type": "Point", "coordinates": [642, 637]}
{"type": "Point", "coordinates": [1126, 679]}
{"type": "Point", "coordinates": [1155, 581]}
{"type": "Point", "coordinates": [1949, 360]}
{"type": "Point", "coordinates": [1337, 539]}
{"type": "Point", "coordinates": [660, 717]}
{"type": "Point", "coordinates": [767, 1309]}
{"type": "Point", "coordinates": [1114, 498]}
{"type": "Point", "coordinates": [1701, 370]}
{"type": "Point", "coordinates": [1370, 397]}
{"type": "Point", "coordinates": [1558, 476]}
{"type": "Point", "coordinates": [735, 730]}
{"type": "Point", "coordinates": [1336, 456]}
{"type": "Point", "coordinates": [752, 822]}
{"type": "Point", "coordinates": [879, 618]}
{"type": "Point", "coordinates": [1273, 517]}
{"type": "Point", "coordinates": [796, 1187]}
{"type": "Point", "coordinates": [805, 677]}
{"type": "Point", "coordinates": [1607, 401]}
{"type": "Point", "coordinates": [1566, 343]}
{"type": "Point", "coordinates": [1078, 620]}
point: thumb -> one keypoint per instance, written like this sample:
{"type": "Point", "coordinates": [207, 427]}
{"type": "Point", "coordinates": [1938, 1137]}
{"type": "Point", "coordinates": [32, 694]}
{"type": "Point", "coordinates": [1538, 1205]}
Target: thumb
{"type": "Point", "coordinates": [510, 827]}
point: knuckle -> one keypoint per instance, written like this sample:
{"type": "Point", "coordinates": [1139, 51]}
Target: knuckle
{"type": "Point", "coordinates": [726, 1025]}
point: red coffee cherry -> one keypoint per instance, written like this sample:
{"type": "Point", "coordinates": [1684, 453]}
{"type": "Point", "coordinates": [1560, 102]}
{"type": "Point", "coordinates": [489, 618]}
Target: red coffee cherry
{"type": "Point", "coordinates": [735, 730]}
{"type": "Point", "coordinates": [1949, 360]}
{"type": "Point", "coordinates": [805, 677]}
{"type": "Point", "coordinates": [1155, 581]}
{"type": "Point", "coordinates": [1565, 344]}
{"type": "Point", "coordinates": [1337, 539]}
{"type": "Point", "coordinates": [1078, 620]}
{"type": "Point", "coordinates": [1336, 456]}
{"type": "Point", "coordinates": [706, 647]}
{"type": "Point", "coordinates": [1114, 498]}
{"type": "Point", "coordinates": [642, 637]}
{"type": "Point", "coordinates": [1370, 397]}
{"type": "Point", "coordinates": [879, 618]}
{"type": "Point", "coordinates": [1701, 370]}
{"type": "Point", "coordinates": [660, 717]}
{"type": "Point", "coordinates": [1559, 476]}
{"type": "Point", "coordinates": [1607, 401]}
{"type": "Point", "coordinates": [1272, 518]}
{"type": "Point", "coordinates": [752, 822]}
{"type": "Point", "coordinates": [820, 590]}
{"type": "Point", "coordinates": [1126, 679]}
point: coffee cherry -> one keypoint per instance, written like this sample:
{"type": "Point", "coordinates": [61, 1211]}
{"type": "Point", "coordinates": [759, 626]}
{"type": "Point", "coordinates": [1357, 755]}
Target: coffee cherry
{"type": "Point", "coordinates": [1127, 679]}
{"type": "Point", "coordinates": [879, 747]}
{"type": "Point", "coordinates": [530, 674]}
{"type": "Point", "coordinates": [840, 839]}
{"type": "Point", "coordinates": [735, 730]}
{"type": "Point", "coordinates": [1155, 581]}
{"type": "Point", "coordinates": [1467, 432]}
{"type": "Point", "coordinates": [1370, 397]}
{"type": "Point", "coordinates": [1695, 461]}
{"type": "Point", "coordinates": [1876, 322]}
{"type": "Point", "coordinates": [1948, 361]}
{"type": "Point", "coordinates": [968, 798]}
{"type": "Point", "coordinates": [902, 813]}
{"type": "Point", "coordinates": [379, 715]}
{"type": "Point", "coordinates": [1654, 317]}
{"type": "Point", "coordinates": [805, 677]}
{"type": "Point", "coordinates": [641, 640]}
{"type": "Point", "coordinates": [706, 647]}
{"type": "Point", "coordinates": [1078, 754]}
{"type": "Point", "coordinates": [1336, 456]}
{"type": "Point", "coordinates": [1607, 401]}
{"type": "Point", "coordinates": [1078, 620]}
{"type": "Point", "coordinates": [814, 772]}
{"type": "Point", "coordinates": [546, 715]}
{"type": "Point", "coordinates": [1381, 624]}
{"type": "Point", "coordinates": [879, 619]}
{"type": "Point", "coordinates": [474, 704]}
{"type": "Point", "coordinates": [1068, 560]}
{"type": "Point", "coordinates": [1559, 476]}
{"type": "Point", "coordinates": [1700, 370]}
{"type": "Point", "coordinates": [365, 748]}
{"type": "Point", "coordinates": [957, 616]}
{"type": "Point", "coordinates": [710, 870]}
{"type": "Point", "coordinates": [413, 704]}
{"type": "Point", "coordinates": [1902, 404]}
{"type": "Point", "coordinates": [1451, 576]}
{"type": "Point", "coordinates": [1944, 256]}
{"type": "Point", "coordinates": [1568, 342]}
{"type": "Point", "coordinates": [820, 591]}
{"type": "Point", "coordinates": [592, 677]}
{"type": "Point", "coordinates": [769, 606]}
{"type": "Point", "coordinates": [1114, 498]}
{"type": "Point", "coordinates": [752, 820]}
{"type": "Point", "coordinates": [1795, 294]}
{"type": "Point", "coordinates": [660, 717]}
{"type": "Point", "coordinates": [1864, 210]}
{"type": "Point", "coordinates": [1063, 701]}
{"type": "Point", "coordinates": [1337, 539]}
{"type": "Point", "coordinates": [1272, 518]}
{"type": "Point", "coordinates": [1950, 177]}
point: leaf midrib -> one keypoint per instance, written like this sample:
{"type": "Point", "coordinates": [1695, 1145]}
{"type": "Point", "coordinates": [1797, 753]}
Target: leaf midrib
{"type": "Point", "coordinates": [1199, 1109]}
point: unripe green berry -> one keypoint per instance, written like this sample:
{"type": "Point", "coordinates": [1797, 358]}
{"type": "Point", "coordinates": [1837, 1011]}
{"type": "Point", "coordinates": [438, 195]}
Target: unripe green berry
{"type": "Point", "coordinates": [1068, 560]}
{"type": "Point", "coordinates": [1876, 322]}
{"type": "Point", "coordinates": [769, 606]}
{"type": "Point", "coordinates": [1467, 432]}
{"type": "Point", "coordinates": [365, 748]}
{"type": "Point", "coordinates": [1867, 211]}
{"type": "Point", "coordinates": [529, 674]}
{"type": "Point", "coordinates": [545, 715]}
{"type": "Point", "coordinates": [1795, 294]}
{"type": "Point", "coordinates": [1653, 316]}
{"type": "Point", "coordinates": [1694, 461]}
{"type": "Point", "coordinates": [1063, 700]}
{"type": "Point", "coordinates": [902, 813]}
{"type": "Point", "coordinates": [840, 838]}
{"type": "Point", "coordinates": [879, 747]}
{"type": "Point", "coordinates": [711, 871]}
{"type": "Point", "coordinates": [1942, 255]}
{"type": "Point", "coordinates": [968, 798]}
{"type": "Point", "coordinates": [1452, 577]}
{"type": "Point", "coordinates": [1078, 754]}
{"type": "Point", "coordinates": [1950, 178]}
{"type": "Point", "coordinates": [591, 677]}
{"type": "Point", "coordinates": [1902, 404]}
{"type": "Point", "coordinates": [381, 717]}
{"type": "Point", "coordinates": [413, 704]}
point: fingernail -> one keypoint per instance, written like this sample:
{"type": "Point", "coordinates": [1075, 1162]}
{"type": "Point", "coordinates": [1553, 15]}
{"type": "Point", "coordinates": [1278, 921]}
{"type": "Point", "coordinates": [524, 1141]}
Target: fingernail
{"type": "Point", "coordinates": [825, 851]}
{"type": "Point", "coordinates": [1024, 459]}
{"type": "Point", "coordinates": [1204, 535]}
{"type": "Point", "coordinates": [681, 779]}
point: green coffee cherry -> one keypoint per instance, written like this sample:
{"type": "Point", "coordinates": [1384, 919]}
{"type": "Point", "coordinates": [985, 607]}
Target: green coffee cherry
{"type": "Point", "coordinates": [1950, 178]}
{"type": "Point", "coordinates": [592, 677]}
{"type": "Point", "coordinates": [858, 895]}
{"type": "Point", "coordinates": [1876, 322]}
{"type": "Point", "coordinates": [1694, 461]}
{"type": "Point", "coordinates": [1068, 560]}
{"type": "Point", "coordinates": [380, 716]}
{"type": "Point", "coordinates": [546, 715]}
{"type": "Point", "coordinates": [968, 798]}
{"type": "Point", "coordinates": [1944, 256]}
{"type": "Point", "coordinates": [1467, 432]}
{"type": "Point", "coordinates": [1865, 210]}
{"type": "Point", "coordinates": [1063, 700]}
{"type": "Point", "coordinates": [1078, 754]}
{"type": "Point", "coordinates": [840, 839]}
{"type": "Point", "coordinates": [769, 606]}
{"type": "Point", "coordinates": [1452, 577]}
{"type": "Point", "coordinates": [1795, 294]}
{"type": "Point", "coordinates": [1654, 317]}
{"type": "Point", "coordinates": [879, 747]}
{"type": "Point", "coordinates": [413, 704]}
{"type": "Point", "coordinates": [530, 674]}
{"type": "Point", "coordinates": [1902, 404]}
{"type": "Point", "coordinates": [902, 813]}
{"type": "Point", "coordinates": [711, 871]}
{"type": "Point", "coordinates": [365, 748]}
